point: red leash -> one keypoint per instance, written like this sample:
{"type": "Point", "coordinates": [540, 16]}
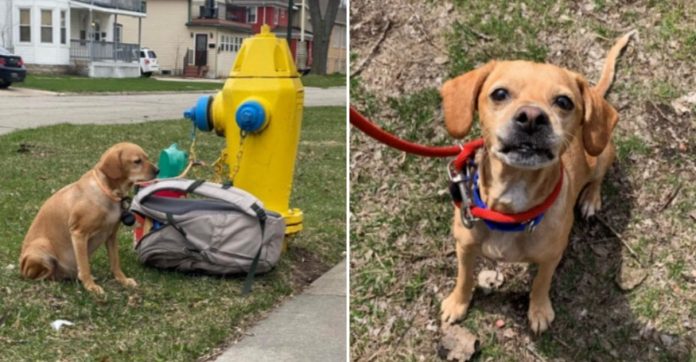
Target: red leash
{"type": "Point", "coordinates": [464, 153]}
{"type": "Point", "coordinates": [370, 129]}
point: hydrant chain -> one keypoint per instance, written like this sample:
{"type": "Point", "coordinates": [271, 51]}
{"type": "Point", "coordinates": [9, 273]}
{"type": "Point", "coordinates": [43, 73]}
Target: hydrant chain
{"type": "Point", "coordinates": [240, 153]}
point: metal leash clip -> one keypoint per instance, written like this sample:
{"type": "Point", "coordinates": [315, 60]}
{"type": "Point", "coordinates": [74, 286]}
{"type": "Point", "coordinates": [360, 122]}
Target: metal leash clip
{"type": "Point", "coordinates": [463, 180]}
{"type": "Point", "coordinates": [530, 227]}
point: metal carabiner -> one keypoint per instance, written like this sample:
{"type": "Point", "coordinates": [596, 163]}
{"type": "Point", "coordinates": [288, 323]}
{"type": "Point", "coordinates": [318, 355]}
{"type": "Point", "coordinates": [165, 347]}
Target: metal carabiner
{"type": "Point", "coordinates": [461, 179]}
{"type": "Point", "coordinates": [530, 227]}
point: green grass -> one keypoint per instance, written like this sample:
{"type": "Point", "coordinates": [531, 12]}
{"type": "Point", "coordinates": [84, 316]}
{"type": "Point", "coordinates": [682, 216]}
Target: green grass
{"type": "Point", "coordinates": [324, 81]}
{"type": "Point", "coordinates": [664, 91]}
{"type": "Point", "coordinates": [73, 84]}
{"type": "Point", "coordinates": [631, 145]}
{"type": "Point", "coordinates": [170, 316]}
{"type": "Point", "coordinates": [513, 37]}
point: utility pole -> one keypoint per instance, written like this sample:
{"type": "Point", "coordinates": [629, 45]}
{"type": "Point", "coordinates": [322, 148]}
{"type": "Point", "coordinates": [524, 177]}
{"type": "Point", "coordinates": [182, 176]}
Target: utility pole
{"type": "Point", "coordinates": [302, 21]}
{"type": "Point", "coordinates": [290, 6]}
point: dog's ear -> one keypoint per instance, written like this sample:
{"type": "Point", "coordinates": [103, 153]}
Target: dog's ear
{"type": "Point", "coordinates": [599, 119]}
{"type": "Point", "coordinates": [110, 164]}
{"type": "Point", "coordinates": [459, 99]}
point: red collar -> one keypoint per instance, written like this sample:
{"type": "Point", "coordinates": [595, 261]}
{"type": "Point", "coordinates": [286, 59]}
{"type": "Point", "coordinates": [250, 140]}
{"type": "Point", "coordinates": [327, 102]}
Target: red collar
{"type": "Point", "coordinates": [465, 157]}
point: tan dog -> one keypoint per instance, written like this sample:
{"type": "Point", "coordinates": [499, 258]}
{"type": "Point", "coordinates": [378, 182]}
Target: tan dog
{"type": "Point", "coordinates": [532, 117]}
{"type": "Point", "coordinates": [80, 217]}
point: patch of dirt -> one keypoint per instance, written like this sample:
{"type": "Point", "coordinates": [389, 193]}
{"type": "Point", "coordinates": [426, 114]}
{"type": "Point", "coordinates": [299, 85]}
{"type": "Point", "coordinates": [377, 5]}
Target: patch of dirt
{"type": "Point", "coordinates": [400, 44]}
{"type": "Point", "coordinates": [33, 149]}
{"type": "Point", "coordinates": [306, 267]}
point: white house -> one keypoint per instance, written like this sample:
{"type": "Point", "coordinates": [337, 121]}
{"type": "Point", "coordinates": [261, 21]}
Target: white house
{"type": "Point", "coordinates": [71, 35]}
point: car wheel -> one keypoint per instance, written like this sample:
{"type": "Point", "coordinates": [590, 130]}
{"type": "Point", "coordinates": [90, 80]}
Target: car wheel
{"type": "Point", "coordinates": [4, 85]}
{"type": "Point", "coordinates": [146, 74]}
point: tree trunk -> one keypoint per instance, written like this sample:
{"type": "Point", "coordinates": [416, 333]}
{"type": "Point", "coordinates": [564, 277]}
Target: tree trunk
{"type": "Point", "coordinates": [321, 28]}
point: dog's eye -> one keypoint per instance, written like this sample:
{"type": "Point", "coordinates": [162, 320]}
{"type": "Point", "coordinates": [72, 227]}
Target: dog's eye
{"type": "Point", "coordinates": [500, 94]}
{"type": "Point", "coordinates": [138, 161]}
{"type": "Point", "coordinates": [564, 102]}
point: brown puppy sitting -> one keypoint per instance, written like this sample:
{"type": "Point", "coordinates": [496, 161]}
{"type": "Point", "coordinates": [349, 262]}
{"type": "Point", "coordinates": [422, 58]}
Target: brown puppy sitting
{"type": "Point", "coordinates": [80, 217]}
{"type": "Point", "coordinates": [537, 121]}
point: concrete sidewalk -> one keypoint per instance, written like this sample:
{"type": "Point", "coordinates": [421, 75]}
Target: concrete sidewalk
{"type": "Point", "coordinates": [310, 327]}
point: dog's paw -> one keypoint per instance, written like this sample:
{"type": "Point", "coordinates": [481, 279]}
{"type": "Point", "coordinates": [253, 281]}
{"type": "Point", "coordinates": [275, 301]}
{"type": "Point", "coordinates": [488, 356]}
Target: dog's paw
{"type": "Point", "coordinates": [540, 316]}
{"type": "Point", "coordinates": [95, 289]}
{"type": "Point", "coordinates": [128, 282]}
{"type": "Point", "coordinates": [452, 309]}
{"type": "Point", "coordinates": [590, 201]}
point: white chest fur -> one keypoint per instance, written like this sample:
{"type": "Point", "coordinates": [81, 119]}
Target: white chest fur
{"type": "Point", "coordinates": [507, 247]}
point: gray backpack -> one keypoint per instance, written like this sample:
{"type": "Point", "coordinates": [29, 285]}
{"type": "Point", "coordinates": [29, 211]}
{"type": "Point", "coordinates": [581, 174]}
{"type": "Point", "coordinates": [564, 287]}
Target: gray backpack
{"type": "Point", "coordinates": [227, 232]}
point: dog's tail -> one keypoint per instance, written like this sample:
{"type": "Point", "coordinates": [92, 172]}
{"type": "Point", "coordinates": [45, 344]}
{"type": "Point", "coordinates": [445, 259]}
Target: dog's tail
{"type": "Point", "coordinates": [608, 71]}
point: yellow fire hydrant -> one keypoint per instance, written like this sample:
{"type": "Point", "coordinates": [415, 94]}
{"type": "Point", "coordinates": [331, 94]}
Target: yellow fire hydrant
{"type": "Point", "coordinates": [259, 112]}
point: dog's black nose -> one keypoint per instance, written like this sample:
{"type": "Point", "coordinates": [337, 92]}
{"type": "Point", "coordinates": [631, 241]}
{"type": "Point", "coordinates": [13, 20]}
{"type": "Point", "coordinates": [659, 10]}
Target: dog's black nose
{"type": "Point", "coordinates": [531, 118]}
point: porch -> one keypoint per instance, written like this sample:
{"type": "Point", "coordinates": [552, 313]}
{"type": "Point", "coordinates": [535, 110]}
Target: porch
{"type": "Point", "coordinates": [104, 51]}
{"type": "Point", "coordinates": [96, 46]}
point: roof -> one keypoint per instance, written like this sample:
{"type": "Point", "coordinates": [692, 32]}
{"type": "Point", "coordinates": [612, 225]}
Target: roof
{"type": "Point", "coordinates": [81, 4]}
{"type": "Point", "coordinates": [221, 23]}
{"type": "Point", "coordinates": [278, 3]}
{"type": "Point", "coordinates": [282, 31]}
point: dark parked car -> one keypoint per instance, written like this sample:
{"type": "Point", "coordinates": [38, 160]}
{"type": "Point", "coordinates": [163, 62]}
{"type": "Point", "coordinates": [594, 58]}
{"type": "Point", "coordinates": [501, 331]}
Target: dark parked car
{"type": "Point", "coordinates": [11, 68]}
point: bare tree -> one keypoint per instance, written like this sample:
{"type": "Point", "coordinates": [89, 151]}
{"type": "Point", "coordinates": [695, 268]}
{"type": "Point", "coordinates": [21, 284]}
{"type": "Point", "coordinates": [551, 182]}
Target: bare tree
{"type": "Point", "coordinates": [321, 28]}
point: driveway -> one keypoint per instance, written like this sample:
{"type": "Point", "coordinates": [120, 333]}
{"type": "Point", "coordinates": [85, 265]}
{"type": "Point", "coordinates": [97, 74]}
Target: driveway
{"type": "Point", "coordinates": [25, 108]}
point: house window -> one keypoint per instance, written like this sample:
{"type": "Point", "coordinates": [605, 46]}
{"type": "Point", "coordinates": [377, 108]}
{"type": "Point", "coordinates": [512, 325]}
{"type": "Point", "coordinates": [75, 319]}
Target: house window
{"type": "Point", "coordinates": [236, 44]}
{"type": "Point", "coordinates": [276, 12]}
{"type": "Point", "coordinates": [47, 26]}
{"type": "Point", "coordinates": [95, 33]}
{"type": "Point", "coordinates": [63, 29]}
{"type": "Point", "coordinates": [25, 25]}
{"type": "Point", "coordinates": [229, 43]}
{"type": "Point", "coordinates": [251, 15]}
{"type": "Point", "coordinates": [118, 30]}
{"type": "Point", "coordinates": [143, 7]}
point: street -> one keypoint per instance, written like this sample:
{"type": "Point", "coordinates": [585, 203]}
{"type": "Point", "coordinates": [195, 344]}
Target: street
{"type": "Point", "coordinates": [25, 108]}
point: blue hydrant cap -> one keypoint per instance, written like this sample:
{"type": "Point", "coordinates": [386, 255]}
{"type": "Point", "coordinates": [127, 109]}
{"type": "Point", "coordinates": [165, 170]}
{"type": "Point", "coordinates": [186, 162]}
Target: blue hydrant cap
{"type": "Point", "coordinates": [250, 116]}
{"type": "Point", "coordinates": [198, 114]}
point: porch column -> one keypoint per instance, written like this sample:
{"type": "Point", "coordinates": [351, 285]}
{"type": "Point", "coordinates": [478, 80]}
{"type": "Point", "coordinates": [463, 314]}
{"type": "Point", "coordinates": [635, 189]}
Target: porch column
{"type": "Point", "coordinates": [113, 35]}
{"type": "Point", "coordinates": [90, 36]}
{"type": "Point", "coordinates": [140, 30]}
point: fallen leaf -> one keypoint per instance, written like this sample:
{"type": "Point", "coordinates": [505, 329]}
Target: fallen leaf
{"type": "Point", "coordinates": [489, 280]}
{"type": "Point", "coordinates": [500, 323]}
{"type": "Point", "coordinates": [457, 343]}
{"type": "Point", "coordinates": [509, 333]}
{"type": "Point", "coordinates": [441, 60]}
{"type": "Point", "coordinates": [628, 278]}
{"type": "Point", "coordinates": [667, 340]}
{"type": "Point", "coordinates": [683, 104]}
{"type": "Point", "coordinates": [600, 250]}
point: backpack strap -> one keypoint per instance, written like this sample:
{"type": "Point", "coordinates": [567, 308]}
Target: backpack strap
{"type": "Point", "coordinates": [261, 215]}
{"type": "Point", "coordinates": [194, 185]}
